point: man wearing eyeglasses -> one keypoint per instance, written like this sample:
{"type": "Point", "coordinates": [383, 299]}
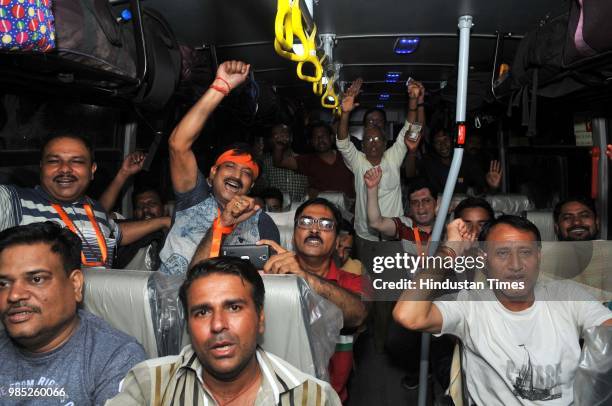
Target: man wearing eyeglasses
{"type": "Point", "coordinates": [314, 238]}
{"type": "Point", "coordinates": [375, 154]}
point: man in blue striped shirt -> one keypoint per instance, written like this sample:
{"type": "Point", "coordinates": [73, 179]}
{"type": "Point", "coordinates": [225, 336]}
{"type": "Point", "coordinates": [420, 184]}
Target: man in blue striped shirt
{"type": "Point", "coordinates": [66, 169]}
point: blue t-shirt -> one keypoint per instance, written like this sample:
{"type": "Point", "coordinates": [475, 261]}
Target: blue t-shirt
{"type": "Point", "coordinates": [87, 369]}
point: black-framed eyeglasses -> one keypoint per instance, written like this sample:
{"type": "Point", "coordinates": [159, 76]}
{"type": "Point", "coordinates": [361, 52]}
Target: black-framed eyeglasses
{"type": "Point", "coordinates": [308, 223]}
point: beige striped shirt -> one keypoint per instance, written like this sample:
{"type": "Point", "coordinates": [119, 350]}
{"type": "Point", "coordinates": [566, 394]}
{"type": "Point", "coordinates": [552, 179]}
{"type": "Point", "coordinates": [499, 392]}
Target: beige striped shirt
{"type": "Point", "coordinates": [176, 380]}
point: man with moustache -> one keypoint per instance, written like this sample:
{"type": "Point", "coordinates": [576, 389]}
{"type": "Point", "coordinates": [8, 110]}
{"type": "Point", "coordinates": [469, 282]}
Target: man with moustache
{"type": "Point", "coordinates": [508, 330]}
{"type": "Point", "coordinates": [325, 168]}
{"type": "Point", "coordinates": [576, 220]}
{"type": "Point", "coordinates": [228, 210]}
{"type": "Point", "coordinates": [67, 167]}
{"type": "Point", "coordinates": [375, 154]}
{"type": "Point", "coordinates": [51, 351]}
{"type": "Point", "coordinates": [421, 216]}
{"type": "Point", "coordinates": [475, 213]}
{"type": "Point", "coordinates": [223, 300]}
{"type": "Point", "coordinates": [317, 223]}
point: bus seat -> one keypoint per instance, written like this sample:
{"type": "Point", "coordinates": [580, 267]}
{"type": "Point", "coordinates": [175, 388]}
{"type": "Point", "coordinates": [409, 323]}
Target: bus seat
{"type": "Point", "coordinates": [284, 222]}
{"type": "Point", "coordinates": [301, 326]}
{"type": "Point", "coordinates": [337, 198]}
{"type": "Point", "coordinates": [543, 219]}
{"type": "Point", "coordinates": [122, 299]}
{"type": "Point", "coordinates": [509, 203]}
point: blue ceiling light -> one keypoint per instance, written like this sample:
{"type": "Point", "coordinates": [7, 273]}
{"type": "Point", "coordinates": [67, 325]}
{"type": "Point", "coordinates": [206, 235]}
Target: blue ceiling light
{"type": "Point", "coordinates": [380, 106]}
{"type": "Point", "coordinates": [406, 45]}
{"type": "Point", "coordinates": [392, 77]}
{"type": "Point", "coordinates": [384, 96]}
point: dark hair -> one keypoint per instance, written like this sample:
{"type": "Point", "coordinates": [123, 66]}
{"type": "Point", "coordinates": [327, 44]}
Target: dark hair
{"type": "Point", "coordinates": [272, 193]}
{"type": "Point", "coordinates": [228, 266]}
{"type": "Point", "coordinates": [372, 110]}
{"type": "Point", "coordinates": [85, 140]}
{"type": "Point", "coordinates": [323, 202]}
{"type": "Point", "coordinates": [319, 124]}
{"type": "Point", "coordinates": [473, 202]}
{"type": "Point", "coordinates": [579, 199]}
{"type": "Point", "coordinates": [517, 222]}
{"type": "Point", "coordinates": [61, 240]}
{"type": "Point", "coordinates": [421, 183]}
{"type": "Point", "coordinates": [347, 227]}
{"type": "Point", "coordinates": [242, 148]}
{"type": "Point", "coordinates": [144, 189]}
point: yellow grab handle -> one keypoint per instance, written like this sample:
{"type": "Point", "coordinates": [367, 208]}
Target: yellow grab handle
{"type": "Point", "coordinates": [330, 93]}
{"type": "Point", "coordinates": [292, 56]}
{"type": "Point", "coordinates": [282, 25]}
{"type": "Point", "coordinates": [317, 88]}
{"type": "Point", "coordinates": [312, 58]}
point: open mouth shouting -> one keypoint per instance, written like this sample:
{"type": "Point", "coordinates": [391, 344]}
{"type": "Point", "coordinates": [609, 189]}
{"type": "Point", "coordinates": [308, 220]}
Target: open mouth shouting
{"type": "Point", "coordinates": [222, 349]}
{"type": "Point", "coordinates": [313, 240]}
{"type": "Point", "coordinates": [232, 185]}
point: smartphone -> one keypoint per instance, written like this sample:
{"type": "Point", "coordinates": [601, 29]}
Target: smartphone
{"type": "Point", "coordinates": [414, 132]}
{"type": "Point", "coordinates": [258, 255]}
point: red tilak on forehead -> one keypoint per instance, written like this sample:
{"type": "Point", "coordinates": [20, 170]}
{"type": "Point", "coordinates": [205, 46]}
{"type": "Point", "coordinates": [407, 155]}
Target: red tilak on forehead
{"type": "Point", "coordinates": [231, 155]}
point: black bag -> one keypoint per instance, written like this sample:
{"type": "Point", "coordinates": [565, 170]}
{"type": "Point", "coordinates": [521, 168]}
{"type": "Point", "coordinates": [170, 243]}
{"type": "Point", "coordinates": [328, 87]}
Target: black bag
{"type": "Point", "coordinates": [89, 35]}
{"type": "Point", "coordinates": [587, 34]}
{"type": "Point", "coordinates": [163, 62]}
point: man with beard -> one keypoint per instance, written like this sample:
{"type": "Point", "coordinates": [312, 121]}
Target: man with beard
{"type": "Point", "coordinates": [421, 216]}
{"type": "Point", "coordinates": [227, 215]}
{"type": "Point", "coordinates": [576, 220]}
{"type": "Point", "coordinates": [223, 300]}
{"type": "Point", "coordinates": [316, 231]}
{"type": "Point", "coordinates": [375, 154]}
{"type": "Point", "coordinates": [521, 339]}
{"type": "Point", "coordinates": [325, 168]}
{"type": "Point", "coordinates": [67, 168]}
{"type": "Point", "coordinates": [52, 352]}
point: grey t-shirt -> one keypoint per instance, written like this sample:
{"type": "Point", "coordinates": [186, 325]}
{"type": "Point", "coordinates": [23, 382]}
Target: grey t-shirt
{"type": "Point", "coordinates": [87, 368]}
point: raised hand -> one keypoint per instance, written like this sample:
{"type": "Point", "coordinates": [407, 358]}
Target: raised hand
{"type": "Point", "coordinates": [233, 73]}
{"type": "Point", "coordinates": [348, 101]}
{"type": "Point", "coordinates": [494, 175]}
{"type": "Point", "coordinates": [372, 177]}
{"type": "Point", "coordinates": [132, 163]}
{"type": "Point", "coordinates": [460, 235]}
{"type": "Point", "coordinates": [237, 210]}
{"type": "Point", "coordinates": [413, 89]}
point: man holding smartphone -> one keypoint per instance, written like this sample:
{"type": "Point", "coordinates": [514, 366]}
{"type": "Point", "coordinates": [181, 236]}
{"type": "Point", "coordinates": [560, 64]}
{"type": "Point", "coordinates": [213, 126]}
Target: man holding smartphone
{"type": "Point", "coordinates": [316, 230]}
{"type": "Point", "coordinates": [205, 220]}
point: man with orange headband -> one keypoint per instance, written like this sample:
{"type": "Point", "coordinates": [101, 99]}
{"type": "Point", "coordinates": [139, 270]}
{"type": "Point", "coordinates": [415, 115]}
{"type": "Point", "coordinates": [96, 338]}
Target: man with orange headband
{"type": "Point", "coordinates": [225, 214]}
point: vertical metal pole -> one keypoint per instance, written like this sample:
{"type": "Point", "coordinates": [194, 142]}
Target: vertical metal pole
{"type": "Point", "coordinates": [501, 142]}
{"type": "Point", "coordinates": [465, 25]}
{"type": "Point", "coordinates": [129, 145]}
{"type": "Point", "coordinates": [600, 131]}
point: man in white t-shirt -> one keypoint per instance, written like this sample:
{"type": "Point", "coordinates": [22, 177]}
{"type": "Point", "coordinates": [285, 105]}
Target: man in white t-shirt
{"type": "Point", "coordinates": [520, 346]}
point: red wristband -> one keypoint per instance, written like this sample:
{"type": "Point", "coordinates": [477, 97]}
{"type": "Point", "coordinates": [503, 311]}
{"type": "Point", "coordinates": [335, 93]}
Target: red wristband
{"type": "Point", "coordinates": [219, 89]}
{"type": "Point", "coordinates": [229, 88]}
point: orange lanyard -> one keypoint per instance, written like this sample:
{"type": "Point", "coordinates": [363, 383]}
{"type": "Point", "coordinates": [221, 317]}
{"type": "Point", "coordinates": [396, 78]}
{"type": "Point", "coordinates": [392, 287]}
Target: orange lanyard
{"type": "Point", "coordinates": [94, 223]}
{"type": "Point", "coordinates": [417, 240]}
{"type": "Point", "coordinates": [217, 235]}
